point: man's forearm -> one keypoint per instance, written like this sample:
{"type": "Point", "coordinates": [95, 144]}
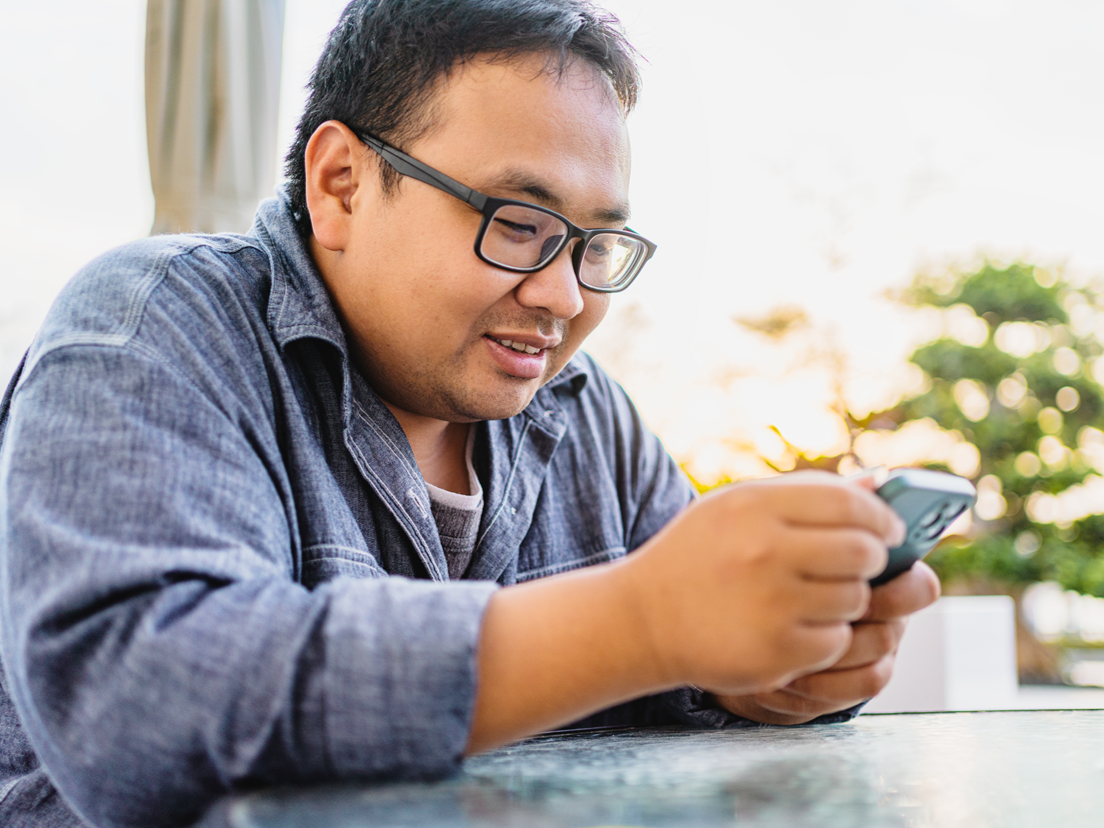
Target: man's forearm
{"type": "Point", "coordinates": [745, 591]}
{"type": "Point", "coordinates": [554, 650]}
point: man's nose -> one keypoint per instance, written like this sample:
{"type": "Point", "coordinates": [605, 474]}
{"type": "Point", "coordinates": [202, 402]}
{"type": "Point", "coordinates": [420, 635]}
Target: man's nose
{"type": "Point", "coordinates": [554, 287]}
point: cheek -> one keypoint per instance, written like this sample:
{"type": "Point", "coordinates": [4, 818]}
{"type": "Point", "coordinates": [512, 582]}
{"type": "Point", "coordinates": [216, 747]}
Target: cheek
{"type": "Point", "coordinates": [426, 288]}
{"type": "Point", "coordinates": [419, 238]}
{"type": "Point", "coordinates": [595, 306]}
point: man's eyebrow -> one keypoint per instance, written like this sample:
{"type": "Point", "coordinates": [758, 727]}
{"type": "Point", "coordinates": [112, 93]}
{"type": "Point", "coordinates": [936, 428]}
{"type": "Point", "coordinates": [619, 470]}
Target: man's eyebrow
{"type": "Point", "coordinates": [531, 188]}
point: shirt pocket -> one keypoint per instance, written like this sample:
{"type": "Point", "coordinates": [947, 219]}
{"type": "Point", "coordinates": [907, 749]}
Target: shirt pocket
{"type": "Point", "coordinates": [569, 535]}
{"type": "Point", "coordinates": [325, 562]}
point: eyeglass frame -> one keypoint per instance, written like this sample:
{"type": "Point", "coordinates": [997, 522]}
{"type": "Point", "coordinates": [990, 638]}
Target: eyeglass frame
{"type": "Point", "coordinates": [488, 205]}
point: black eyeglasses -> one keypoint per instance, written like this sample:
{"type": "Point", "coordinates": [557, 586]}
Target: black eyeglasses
{"type": "Point", "coordinates": [523, 237]}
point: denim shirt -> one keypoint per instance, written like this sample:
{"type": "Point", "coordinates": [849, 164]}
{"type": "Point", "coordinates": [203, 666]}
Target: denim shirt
{"type": "Point", "coordinates": [218, 563]}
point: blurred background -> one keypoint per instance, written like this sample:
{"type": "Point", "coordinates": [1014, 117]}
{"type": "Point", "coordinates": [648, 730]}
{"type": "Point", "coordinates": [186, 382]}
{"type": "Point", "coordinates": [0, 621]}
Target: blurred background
{"type": "Point", "coordinates": [879, 230]}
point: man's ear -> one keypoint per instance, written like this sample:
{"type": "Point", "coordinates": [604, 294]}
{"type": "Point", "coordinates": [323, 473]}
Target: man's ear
{"type": "Point", "coordinates": [335, 162]}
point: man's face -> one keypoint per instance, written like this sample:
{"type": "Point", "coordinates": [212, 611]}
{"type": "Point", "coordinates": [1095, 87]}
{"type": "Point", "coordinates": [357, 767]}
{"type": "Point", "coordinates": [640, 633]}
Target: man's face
{"type": "Point", "coordinates": [426, 318]}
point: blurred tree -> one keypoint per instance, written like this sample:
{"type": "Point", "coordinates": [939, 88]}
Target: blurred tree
{"type": "Point", "coordinates": [1015, 374]}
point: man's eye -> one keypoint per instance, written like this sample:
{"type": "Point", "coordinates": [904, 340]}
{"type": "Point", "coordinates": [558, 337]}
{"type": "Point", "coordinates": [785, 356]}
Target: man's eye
{"type": "Point", "coordinates": [522, 232]}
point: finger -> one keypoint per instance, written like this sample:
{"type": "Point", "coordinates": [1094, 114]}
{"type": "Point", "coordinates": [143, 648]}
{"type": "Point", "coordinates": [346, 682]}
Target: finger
{"type": "Point", "coordinates": [816, 647]}
{"type": "Point", "coordinates": [909, 592]}
{"type": "Point", "coordinates": [845, 687]}
{"type": "Point", "coordinates": [788, 705]}
{"type": "Point", "coordinates": [834, 501]}
{"type": "Point", "coordinates": [872, 641]}
{"type": "Point", "coordinates": [831, 602]}
{"type": "Point", "coordinates": [836, 553]}
{"type": "Point", "coordinates": [749, 707]}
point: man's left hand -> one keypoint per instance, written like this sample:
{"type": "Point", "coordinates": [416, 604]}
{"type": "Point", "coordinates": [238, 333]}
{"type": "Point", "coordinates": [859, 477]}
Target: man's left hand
{"type": "Point", "coordinates": [863, 670]}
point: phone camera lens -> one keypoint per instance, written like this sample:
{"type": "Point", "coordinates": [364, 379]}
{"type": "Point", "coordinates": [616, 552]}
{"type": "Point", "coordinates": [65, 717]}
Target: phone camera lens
{"type": "Point", "coordinates": [952, 512]}
{"type": "Point", "coordinates": [933, 517]}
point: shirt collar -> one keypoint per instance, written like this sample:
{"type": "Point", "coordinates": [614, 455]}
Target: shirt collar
{"type": "Point", "coordinates": [299, 305]}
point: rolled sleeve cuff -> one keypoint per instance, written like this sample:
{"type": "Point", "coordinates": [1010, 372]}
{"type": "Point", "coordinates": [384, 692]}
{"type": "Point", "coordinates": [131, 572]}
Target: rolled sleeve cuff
{"type": "Point", "coordinates": [402, 673]}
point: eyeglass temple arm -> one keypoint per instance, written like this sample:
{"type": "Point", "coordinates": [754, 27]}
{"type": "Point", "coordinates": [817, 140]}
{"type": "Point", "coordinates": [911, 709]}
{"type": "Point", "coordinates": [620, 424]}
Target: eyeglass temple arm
{"type": "Point", "coordinates": [412, 167]}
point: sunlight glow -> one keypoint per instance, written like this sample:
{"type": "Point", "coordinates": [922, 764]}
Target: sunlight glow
{"type": "Point", "coordinates": [918, 442]}
{"type": "Point", "coordinates": [1050, 420]}
{"type": "Point", "coordinates": [972, 400]}
{"type": "Point", "coordinates": [990, 503]}
{"type": "Point", "coordinates": [1019, 339]}
{"type": "Point", "coordinates": [825, 201]}
{"type": "Point", "coordinates": [1012, 390]}
{"type": "Point", "coordinates": [1068, 398]}
{"type": "Point", "coordinates": [1067, 362]}
{"type": "Point", "coordinates": [1073, 504]}
{"type": "Point", "coordinates": [962, 324]}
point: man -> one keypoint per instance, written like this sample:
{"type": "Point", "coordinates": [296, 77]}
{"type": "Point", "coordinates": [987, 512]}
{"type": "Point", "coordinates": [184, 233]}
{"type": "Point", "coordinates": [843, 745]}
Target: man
{"type": "Point", "coordinates": [340, 499]}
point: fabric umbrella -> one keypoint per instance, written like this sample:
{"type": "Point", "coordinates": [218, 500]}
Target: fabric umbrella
{"type": "Point", "coordinates": [212, 99]}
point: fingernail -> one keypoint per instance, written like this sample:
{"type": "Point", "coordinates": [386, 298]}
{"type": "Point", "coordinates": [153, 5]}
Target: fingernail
{"type": "Point", "coordinates": [877, 473]}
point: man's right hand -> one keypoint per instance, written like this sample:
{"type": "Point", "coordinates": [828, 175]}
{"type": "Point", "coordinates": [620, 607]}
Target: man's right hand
{"type": "Point", "coordinates": [749, 588]}
{"type": "Point", "coordinates": [756, 584]}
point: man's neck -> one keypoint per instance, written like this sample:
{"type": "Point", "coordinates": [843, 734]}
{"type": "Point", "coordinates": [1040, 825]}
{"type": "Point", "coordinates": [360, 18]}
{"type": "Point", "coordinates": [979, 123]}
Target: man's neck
{"type": "Point", "coordinates": [440, 449]}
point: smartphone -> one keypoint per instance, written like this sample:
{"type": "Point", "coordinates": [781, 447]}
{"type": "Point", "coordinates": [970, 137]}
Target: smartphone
{"type": "Point", "coordinates": [928, 502]}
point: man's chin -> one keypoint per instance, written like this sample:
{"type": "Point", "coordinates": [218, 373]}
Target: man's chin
{"type": "Point", "coordinates": [497, 412]}
{"type": "Point", "coordinates": [501, 405]}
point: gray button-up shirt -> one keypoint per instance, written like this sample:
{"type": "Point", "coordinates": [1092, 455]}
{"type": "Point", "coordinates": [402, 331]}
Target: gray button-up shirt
{"type": "Point", "coordinates": [218, 562]}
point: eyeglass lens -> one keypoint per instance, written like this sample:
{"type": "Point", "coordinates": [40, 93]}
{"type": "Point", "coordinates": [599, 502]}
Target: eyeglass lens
{"type": "Point", "coordinates": [521, 237]}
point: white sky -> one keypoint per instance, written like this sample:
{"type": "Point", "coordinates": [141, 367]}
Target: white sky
{"type": "Point", "coordinates": [810, 152]}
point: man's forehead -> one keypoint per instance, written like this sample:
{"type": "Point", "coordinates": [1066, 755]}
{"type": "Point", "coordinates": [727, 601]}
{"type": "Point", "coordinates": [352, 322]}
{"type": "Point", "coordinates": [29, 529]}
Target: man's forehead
{"type": "Point", "coordinates": [531, 187]}
{"type": "Point", "coordinates": [570, 70]}
{"type": "Point", "coordinates": [538, 131]}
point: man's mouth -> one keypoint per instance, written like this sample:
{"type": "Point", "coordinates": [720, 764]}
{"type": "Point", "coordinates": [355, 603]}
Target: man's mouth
{"type": "Point", "coordinates": [518, 346]}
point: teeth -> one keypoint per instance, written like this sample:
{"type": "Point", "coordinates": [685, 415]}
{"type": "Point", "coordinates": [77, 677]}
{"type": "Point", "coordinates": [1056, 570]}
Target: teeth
{"type": "Point", "coordinates": [518, 346]}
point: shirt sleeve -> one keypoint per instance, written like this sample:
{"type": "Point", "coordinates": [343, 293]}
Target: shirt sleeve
{"type": "Point", "coordinates": [158, 648]}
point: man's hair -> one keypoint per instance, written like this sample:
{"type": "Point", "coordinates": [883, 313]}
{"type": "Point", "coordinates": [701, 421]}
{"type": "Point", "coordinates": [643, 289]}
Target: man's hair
{"type": "Point", "coordinates": [380, 66]}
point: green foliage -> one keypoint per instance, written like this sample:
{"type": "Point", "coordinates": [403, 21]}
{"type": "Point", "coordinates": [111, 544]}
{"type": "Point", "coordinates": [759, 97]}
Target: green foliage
{"type": "Point", "coordinates": [1033, 429]}
{"type": "Point", "coordinates": [1019, 291]}
{"type": "Point", "coordinates": [950, 358]}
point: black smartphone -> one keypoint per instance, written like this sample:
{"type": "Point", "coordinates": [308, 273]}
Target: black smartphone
{"type": "Point", "coordinates": [928, 502]}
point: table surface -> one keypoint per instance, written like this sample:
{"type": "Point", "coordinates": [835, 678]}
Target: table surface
{"type": "Point", "coordinates": [1037, 768]}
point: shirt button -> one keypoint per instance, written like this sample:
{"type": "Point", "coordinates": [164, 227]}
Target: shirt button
{"type": "Point", "coordinates": [412, 496]}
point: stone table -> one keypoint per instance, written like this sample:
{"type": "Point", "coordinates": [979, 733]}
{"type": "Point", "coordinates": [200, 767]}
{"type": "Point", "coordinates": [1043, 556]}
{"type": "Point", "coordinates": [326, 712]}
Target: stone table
{"type": "Point", "coordinates": [1006, 769]}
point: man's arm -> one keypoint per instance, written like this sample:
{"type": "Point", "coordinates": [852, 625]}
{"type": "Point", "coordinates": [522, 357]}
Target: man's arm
{"type": "Point", "coordinates": [156, 645]}
{"type": "Point", "coordinates": [158, 663]}
{"type": "Point", "coordinates": [750, 588]}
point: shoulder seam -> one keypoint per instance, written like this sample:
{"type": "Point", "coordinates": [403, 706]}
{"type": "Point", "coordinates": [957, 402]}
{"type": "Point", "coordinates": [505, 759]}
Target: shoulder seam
{"type": "Point", "coordinates": [136, 350]}
{"type": "Point", "coordinates": [136, 309]}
